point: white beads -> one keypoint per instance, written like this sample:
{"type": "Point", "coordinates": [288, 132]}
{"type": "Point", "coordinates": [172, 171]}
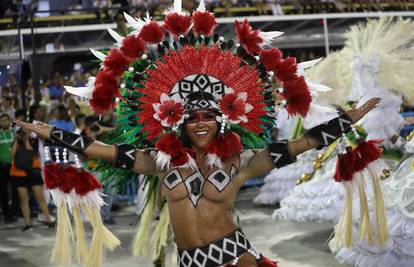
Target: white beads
{"type": "Point", "coordinates": [257, 58]}
{"type": "Point", "coordinates": [280, 90]}
{"type": "Point", "coordinates": [223, 123]}
{"type": "Point", "coordinates": [355, 132]}
{"type": "Point", "coordinates": [254, 253]}
{"type": "Point", "coordinates": [131, 69]}
{"type": "Point", "coordinates": [122, 85]}
{"type": "Point", "coordinates": [57, 155]}
{"type": "Point", "coordinates": [144, 57]}
{"type": "Point", "coordinates": [221, 39]}
{"type": "Point", "coordinates": [271, 73]}
{"type": "Point", "coordinates": [282, 103]}
{"type": "Point", "coordinates": [47, 154]}
{"type": "Point", "coordinates": [77, 162]}
{"type": "Point", "coordinates": [65, 156]}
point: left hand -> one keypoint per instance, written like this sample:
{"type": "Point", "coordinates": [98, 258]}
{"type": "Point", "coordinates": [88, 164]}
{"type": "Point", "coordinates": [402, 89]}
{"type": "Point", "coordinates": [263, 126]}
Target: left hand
{"type": "Point", "coordinates": [40, 128]}
{"type": "Point", "coordinates": [358, 113]}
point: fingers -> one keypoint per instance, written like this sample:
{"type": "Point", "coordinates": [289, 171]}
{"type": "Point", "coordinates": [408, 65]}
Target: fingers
{"type": "Point", "coordinates": [371, 104]}
{"type": "Point", "coordinates": [25, 125]}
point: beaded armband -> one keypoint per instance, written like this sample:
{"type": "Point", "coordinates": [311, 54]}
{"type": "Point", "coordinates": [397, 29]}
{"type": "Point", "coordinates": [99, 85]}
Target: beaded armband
{"type": "Point", "coordinates": [125, 156]}
{"type": "Point", "coordinates": [326, 133]}
{"type": "Point", "coordinates": [280, 154]}
{"type": "Point", "coordinates": [74, 142]}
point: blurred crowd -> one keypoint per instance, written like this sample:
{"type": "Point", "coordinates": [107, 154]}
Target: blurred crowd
{"type": "Point", "coordinates": [21, 185]}
{"type": "Point", "coordinates": [22, 8]}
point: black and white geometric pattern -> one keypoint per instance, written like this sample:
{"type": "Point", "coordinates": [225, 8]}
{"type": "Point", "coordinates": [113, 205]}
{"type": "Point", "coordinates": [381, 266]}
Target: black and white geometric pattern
{"type": "Point", "coordinates": [328, 132]}
{"type": "Point", "coordinates": [194, 185]}
{"type": "Point", "coordinates": [280, 154]}
{"type": "Point", "coordinates": [125, 156]}
{"type": "Point", "coordinates": [200, 91]}
{"type": "Point", "coordinates": [74, 142]}
{"type": "Point", "coordinates": [220, 179]}
{"type": "Point", "coordinates": [195, 182]}
{"type": "Point", "coordinates": [172, 179]}
{"type": "Point", "coordinates": [216, 254]}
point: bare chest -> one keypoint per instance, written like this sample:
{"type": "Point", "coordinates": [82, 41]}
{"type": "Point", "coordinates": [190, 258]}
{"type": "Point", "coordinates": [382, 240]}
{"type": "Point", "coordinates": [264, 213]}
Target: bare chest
{"type": "Point", "coordinates": [216, 185]}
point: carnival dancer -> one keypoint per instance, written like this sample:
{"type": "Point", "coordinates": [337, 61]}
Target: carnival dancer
{"type": "Point", "coordinates": [397, 252]}
{"type": "Point", "coordinates": [363, 65]}
{"type": "Point", "coordinates": [189, 99]}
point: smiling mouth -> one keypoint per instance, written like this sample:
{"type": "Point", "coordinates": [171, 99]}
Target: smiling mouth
{"type": "Point", "coordinates": [201, 133]}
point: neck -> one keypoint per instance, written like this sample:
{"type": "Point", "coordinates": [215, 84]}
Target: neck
{"type": "Point", "coordinates": [199, 152]}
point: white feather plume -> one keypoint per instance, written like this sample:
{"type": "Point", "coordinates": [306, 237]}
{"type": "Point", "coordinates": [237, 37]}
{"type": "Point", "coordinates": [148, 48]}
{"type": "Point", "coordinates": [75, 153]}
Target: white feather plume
{"type": "Point", "coordinates": [99, 55]}
{"type": "Point", "coordinates": [270, 37]}
{"type": "Point", "coordinates": [118, 38]}
{"type": "Point", "coordinates": [202, 6]}
{"type": "Point", "coordinates": [390, 41]}
{"type": "Point", "coordinates": [136, 23]}
{"type": "Point", "coordinates": [84, 92]}
{"type": "Point", "coordinates": [162, 160]}
{"type": "Point", "coordinates": [212, 160]}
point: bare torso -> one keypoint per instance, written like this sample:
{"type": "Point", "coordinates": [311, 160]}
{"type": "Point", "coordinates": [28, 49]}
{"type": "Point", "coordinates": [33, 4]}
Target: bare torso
{"type": "Point", "coordinates": [200, 202]}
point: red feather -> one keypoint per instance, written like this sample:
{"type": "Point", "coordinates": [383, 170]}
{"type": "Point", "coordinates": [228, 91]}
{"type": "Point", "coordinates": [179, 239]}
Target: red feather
{"type": "Point", "coordinates": [298, 96]}
{"type": "Point", "coordinates": [177, 24]}
{"type": "Point", "coordinates": [101, 101]}
{"type": "Point", "coordinates": [106, 89]}
{"type": "Point", "coordinates": [367, 152]}
{"type": "Point", "coordinates": [69, 177]}
{"type": "Point", "coordinates": [271, 58]}
{"type": "Point", "coordinates": [266, 262]}
{"type": "Point", "coordinates": [115, 62]}
{"type": "Point", "coordinates": [152, 33]}
{"type": "Point", "coordinates": [106, 78]}
{"type": "Point", "coordinates": [344, 166]}
{"type": "Point", "coordinates": [51, 176]}
{"type": "Point", "coordinates": [204, 23]}
{"type": "Point", "coordinates": [225, 146]}
{"type": "Point", "coordinates": [167, 143]}
{"type": "Point", "coordinates": [86, 183]}
{"type": "Point", "coordinates": [171, 145]}
{"type": "Point", "coordinates": [132, 47]}
{"type": "Point", "coordinates": [286, 69]}
{"type": "Point", "coordinates": [248, 37]}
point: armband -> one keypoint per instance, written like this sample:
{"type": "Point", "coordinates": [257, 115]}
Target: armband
{"type": "Point", "coordinates": [74, 142]}
{"type": "Point", "coordinates": [125, 156]}
{"type": "Point", "coordinates": [280, 154]}
{"type": "Point", "coordinates": [327, 133]}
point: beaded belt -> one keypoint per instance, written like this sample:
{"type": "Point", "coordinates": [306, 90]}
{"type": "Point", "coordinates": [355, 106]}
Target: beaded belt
{"type": "Point", "coordinates": [224, 251]}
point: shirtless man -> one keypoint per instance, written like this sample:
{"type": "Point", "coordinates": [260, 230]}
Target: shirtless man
{"type": "Point", "coordinates": [200, 201]}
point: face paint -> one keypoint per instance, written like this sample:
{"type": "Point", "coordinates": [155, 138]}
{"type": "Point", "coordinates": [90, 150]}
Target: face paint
{"type": "Point", "coordinates": [201, 116]}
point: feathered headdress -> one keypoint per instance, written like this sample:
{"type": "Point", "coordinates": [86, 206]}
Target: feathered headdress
{"type": "Point", "coordinates": [197, 69]}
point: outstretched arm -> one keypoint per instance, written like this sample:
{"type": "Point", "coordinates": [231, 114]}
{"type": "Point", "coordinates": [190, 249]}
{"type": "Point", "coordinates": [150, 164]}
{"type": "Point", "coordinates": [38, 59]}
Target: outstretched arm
{"type": "Point", "coordinates": [124, 156]}
{"type": "Point", "coordinates": [280, 154]}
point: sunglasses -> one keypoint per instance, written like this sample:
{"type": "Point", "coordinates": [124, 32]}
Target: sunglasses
{"type": "Point", "coordinates": [201, 116]}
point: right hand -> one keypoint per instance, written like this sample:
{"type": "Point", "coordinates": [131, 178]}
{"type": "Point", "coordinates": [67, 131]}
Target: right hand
{"type": "Point", "coordinates": [40, 128]}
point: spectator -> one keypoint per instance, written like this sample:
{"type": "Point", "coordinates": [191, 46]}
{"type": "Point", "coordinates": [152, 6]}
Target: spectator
{"type": "Point", "coordinates": [55, 88]}
{"type": "Point", "coordinates": [6, 141]}
{"type": "Point", "coordinates": [80, 123]}
{"type": "Point", "coordinates": [276, 6]}
{"type": "Point", "coordinates": [73, 107]}
{"type": "Point", "coordinates": [37, 113]}
{"type": "Point", "coordinates": [7, 106]}
{"type": "Point", "coordinates": [30, 93]}
{"type": "Point", "coordinates": [25, 173]}
{"type": "Point", "coordinates": [20, 115]}
{"type": "Point", "coordinates": [63, 120]}
{"type": "Point", "coordinates": [5, 91]}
